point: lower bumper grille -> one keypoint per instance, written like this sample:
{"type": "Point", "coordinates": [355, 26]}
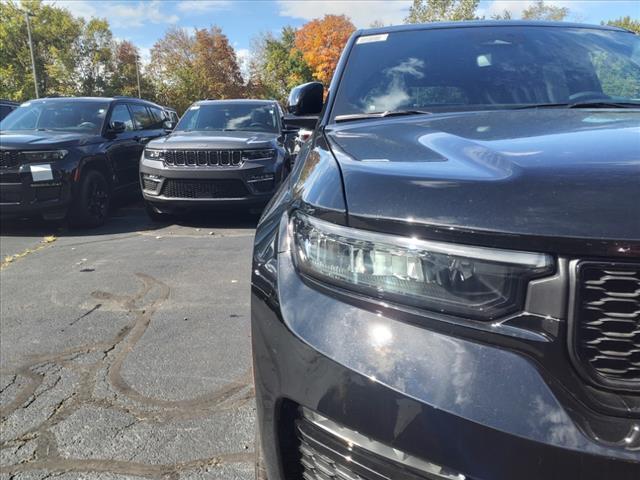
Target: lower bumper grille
{"type": "Point", "coordinates": [10, 159]}
{"type": "Point", "coordinates": [607, 322]}
{"type": "Point", "coordinates": [227, 188]}
{"type": "Point", "coordinates": [329, 451]}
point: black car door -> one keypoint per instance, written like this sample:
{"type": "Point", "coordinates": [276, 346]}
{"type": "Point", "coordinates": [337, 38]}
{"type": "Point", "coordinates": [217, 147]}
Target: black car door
{"type": "Point", "coordinates": [124, 150]}
{"type": "Point", "coordinates": [148, 122]}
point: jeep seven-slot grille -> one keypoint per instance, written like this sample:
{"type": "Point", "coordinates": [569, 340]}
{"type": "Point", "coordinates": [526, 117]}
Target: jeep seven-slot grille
{"type": "Point", "coordinates": [203, 158]}
{"type": "Point", "coordinates": [607, 334]}
{"type": "Point", "coordinates": [225, 188]}
{"type": "Point", "coordinates": [10, 158]}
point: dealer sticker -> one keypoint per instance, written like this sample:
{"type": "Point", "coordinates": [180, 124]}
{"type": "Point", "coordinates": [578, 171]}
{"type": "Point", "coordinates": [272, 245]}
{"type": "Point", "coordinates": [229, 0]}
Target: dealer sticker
{"type": "Point", "coordinates": [41, 173]}
{"type": "Point", "coordinates": [372, 38]}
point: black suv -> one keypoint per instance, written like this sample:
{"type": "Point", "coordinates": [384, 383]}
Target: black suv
{"type": "Point", "coordinates": [67, 156]}
{"type": "Point", "coordinates": [222, 153]}
{"type": "Point", "coordinates": [448, 285]}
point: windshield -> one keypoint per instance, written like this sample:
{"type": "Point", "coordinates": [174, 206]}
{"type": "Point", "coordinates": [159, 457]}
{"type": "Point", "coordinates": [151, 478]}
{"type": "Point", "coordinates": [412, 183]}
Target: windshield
{"type": "Point", "coordinates": [71, 116]}
{"type": "Point", "coordinates": [250, 117]}
{"type": "Point", "coordinates": [488, 67]}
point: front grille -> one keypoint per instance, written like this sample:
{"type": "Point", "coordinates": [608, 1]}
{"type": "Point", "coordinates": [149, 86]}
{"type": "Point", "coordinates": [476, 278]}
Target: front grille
{"type": "Point", "coordinates": [607, 322]}
{"type": "Point", "coordinates": [225, 188]}
{"type": "Point", "coordinates": [9, 196]}
{"type": "Point", "coordinates": [203, 158]}
{"type": "Point", "coordinates": [10, 159]}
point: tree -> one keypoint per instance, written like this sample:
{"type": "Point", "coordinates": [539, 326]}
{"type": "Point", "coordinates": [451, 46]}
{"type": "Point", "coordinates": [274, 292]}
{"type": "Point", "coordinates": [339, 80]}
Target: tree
{"type": "Point", "coordinates": [124, 80]}
{"type": "Point", "coordinates": [188, 67]}
{"type": "Point", "coordinates": [95, 63]}
{"type": "Point", "coordinates": [541, 11]}
{"type": "Point", "coordinates": [625, 22]}
{"type": "Point", "coordinates": [277, 65]}
{"type": "Point", "coordinates": [321, 42]}
{"type": "Point", "coordinates": [55, 34]}
{"type": "Point", "coordinates": [505, 15]}
{"type": "Point", "coordinates": [216, 65]}
{"type": "Point", "coordinates": [424, 11]}
{"type": "Point", "coordinates": [171, 68]}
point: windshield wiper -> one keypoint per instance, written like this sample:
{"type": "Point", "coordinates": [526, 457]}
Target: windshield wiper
{"type": "Point", "coordinates": [595, 104]}
{"type": "Point", "coordinates": [388, 113]}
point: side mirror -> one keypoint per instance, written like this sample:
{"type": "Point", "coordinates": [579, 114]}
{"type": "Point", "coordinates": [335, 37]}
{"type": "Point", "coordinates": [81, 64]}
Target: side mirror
{"type": "Point", "coordinates": [306, 99]}
{"type": "Point", "coordinates": [168, 124]}
{"type": "Point", "coordinates": [117, 127]}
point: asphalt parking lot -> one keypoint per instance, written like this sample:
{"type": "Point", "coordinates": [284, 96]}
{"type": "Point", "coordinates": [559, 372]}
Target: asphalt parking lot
{"type": "Point", "coordinates": [125, 350]}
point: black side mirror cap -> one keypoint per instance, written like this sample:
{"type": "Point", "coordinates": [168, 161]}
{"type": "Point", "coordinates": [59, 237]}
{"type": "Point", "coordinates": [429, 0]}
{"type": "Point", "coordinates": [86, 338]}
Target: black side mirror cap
{"type": "Point", "coordinates": [168, 124]}
{"type": "Point", "coordinates": [117, 127]}
{"type": "Point", "coordinates": [295, 122]}
{"type": "Point", "coordinates": [306, 99]}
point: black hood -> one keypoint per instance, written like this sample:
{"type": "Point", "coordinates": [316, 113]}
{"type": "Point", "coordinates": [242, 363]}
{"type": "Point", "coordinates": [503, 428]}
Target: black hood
{"type": "Point", "coordinates": [559, 172]}
{"type": "Point", "coordinates": [216, 139]}
{"type": "Point", "coordinates": [36, 139]}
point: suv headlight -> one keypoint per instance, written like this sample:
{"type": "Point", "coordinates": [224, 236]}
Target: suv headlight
{"type": "Point", "coordinates": [472, 282]}
{"type": "Point", "coordinates": [44, 155]}
{"type": "Point", "coordinates": [152, 154]}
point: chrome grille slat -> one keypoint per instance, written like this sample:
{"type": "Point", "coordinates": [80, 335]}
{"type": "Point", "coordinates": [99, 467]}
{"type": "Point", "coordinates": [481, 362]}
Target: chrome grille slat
{"type": "Point", "coordinates": [607, 322]}
{"type": "Point", "coordinates": [215, 158]}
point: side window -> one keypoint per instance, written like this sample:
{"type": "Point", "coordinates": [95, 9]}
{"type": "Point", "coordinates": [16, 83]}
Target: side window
{"type": "Point", "coordinates": [120, 113]}
{"type": "Point", "coordinates": [141, 117]}
{"type": "Point", "coordinates": [158, 116]}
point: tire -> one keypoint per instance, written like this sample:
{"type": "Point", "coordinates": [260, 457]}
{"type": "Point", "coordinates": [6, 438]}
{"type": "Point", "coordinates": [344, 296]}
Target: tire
{"type": "Point", "coordinates": [90, 207]}
{"type": "Point", "coordinates": [155, 214]}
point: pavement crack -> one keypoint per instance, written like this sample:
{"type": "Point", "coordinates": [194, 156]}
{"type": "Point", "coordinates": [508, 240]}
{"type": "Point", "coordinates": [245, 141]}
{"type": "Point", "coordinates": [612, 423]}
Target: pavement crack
{"type": "Point", "coordinates": [46, 455]}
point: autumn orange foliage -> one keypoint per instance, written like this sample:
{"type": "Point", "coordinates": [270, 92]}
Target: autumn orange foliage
{"type": "Point", "coordinates": [321, 42]}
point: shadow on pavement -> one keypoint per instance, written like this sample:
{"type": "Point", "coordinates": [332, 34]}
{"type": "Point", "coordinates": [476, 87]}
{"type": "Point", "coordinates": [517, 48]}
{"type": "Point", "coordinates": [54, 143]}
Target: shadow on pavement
{"type": "Point", "coordinates": [129, 218]}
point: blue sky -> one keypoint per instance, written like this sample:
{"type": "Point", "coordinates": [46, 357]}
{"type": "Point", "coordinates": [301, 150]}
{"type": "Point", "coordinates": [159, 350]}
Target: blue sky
{"type": "Point", "coordinates": [145, 21]}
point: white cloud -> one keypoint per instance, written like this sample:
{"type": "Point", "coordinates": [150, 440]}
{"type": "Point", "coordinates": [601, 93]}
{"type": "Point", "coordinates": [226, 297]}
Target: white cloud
{"type": "Point", "coordinates": [200, 6]}
{"type": "Point", "coordinates": [362, 13]}
{"type": "Point", "coordinates": [120, 13]}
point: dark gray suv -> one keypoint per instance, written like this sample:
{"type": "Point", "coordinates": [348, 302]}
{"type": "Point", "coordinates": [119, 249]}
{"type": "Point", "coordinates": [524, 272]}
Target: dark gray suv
{"type": "Point", "coordinates": [222, 153]}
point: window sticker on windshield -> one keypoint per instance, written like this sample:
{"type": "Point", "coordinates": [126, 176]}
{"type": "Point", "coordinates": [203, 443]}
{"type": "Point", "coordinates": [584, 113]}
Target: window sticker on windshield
{"type": "Point", "coordinates": [372, 38]}
{"type": "Point", "coordinates": [41, 173]}
{"type": "Point", "coordinates": [195, 107]}
{"type": "Point", "coordinates": [25, 104]}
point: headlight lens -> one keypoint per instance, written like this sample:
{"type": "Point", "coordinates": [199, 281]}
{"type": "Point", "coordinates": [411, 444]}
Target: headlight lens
{"type": "Point", "coordinates": [44, 155]}
{"type": "Point", "coordinates": [267, 154]}
{"type": "Point", "coordinates": [152, 154]}
{"type": "Point", "coordinates": [473, 282]}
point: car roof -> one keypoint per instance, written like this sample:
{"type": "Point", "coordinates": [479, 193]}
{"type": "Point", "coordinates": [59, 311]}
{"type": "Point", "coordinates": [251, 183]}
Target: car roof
{"type": "Point", "coordinates": [483, 23]}
{"type": "Point", "coordinates": [95, 99]}
{"type": "Point", "coordinates": [236, 100]}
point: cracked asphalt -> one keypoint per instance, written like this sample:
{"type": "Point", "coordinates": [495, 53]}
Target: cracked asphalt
{"type": "Point", "coordinates": [125, 350]}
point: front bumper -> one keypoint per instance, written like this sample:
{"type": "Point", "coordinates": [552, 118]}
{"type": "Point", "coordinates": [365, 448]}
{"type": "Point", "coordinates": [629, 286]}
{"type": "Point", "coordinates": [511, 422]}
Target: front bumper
{"type": "Point", "coordinates": [21, 195]}
{"type": "Point", "coordinates": [166, 187]}
{"type": "Point", "coordinates": [473, 410]}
